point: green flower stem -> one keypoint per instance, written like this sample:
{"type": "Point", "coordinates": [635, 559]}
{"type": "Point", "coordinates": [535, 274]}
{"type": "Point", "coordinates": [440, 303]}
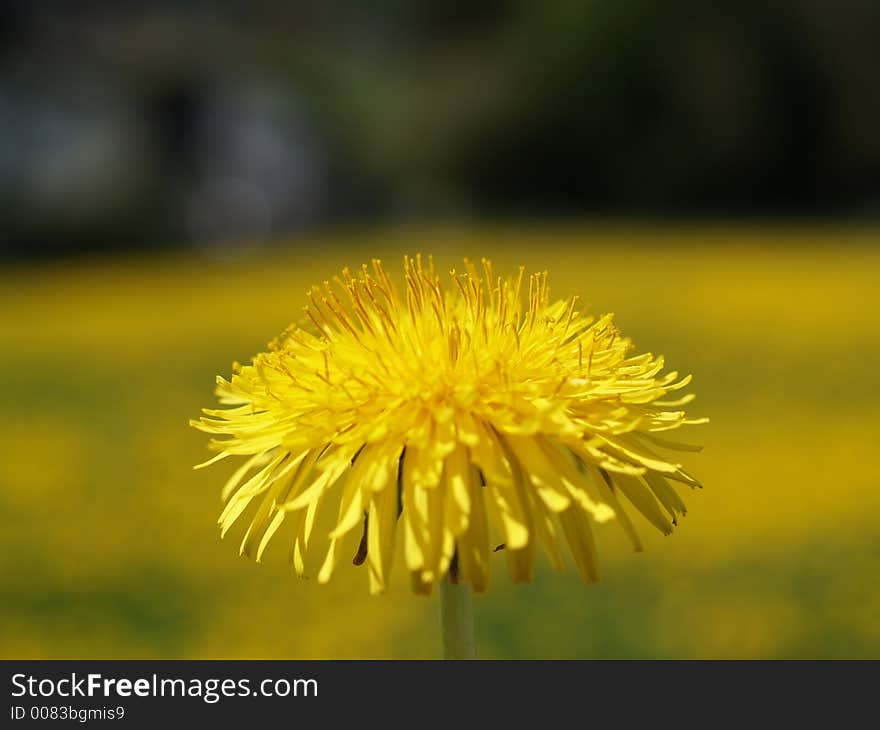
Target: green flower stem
{"type": "Point", "coordinates": [457, 620]}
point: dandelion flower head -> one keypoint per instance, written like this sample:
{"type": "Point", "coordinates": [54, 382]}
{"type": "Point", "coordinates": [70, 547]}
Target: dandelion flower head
{"type": "Point", "coordinates": [452, 415]}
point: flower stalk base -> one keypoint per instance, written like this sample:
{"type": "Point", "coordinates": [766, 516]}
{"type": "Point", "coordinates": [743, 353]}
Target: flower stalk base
{"type": "Point", "coordinates": [457, 620]}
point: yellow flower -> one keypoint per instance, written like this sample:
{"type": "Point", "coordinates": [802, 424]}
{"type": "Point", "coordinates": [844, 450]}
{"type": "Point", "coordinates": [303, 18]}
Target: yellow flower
{"type": "Point", "coordinates": [457, 408]}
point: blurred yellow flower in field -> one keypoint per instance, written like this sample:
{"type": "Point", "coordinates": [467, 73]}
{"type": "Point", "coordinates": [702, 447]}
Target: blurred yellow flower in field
{"type": "Point", "coordinates": [458, 406]}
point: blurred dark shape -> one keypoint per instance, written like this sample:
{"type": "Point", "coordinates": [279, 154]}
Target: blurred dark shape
{"type": "Point", "coordinates": [65, 159]}
{"type": "Point", "coordinates": [136, 125]}
{"type": "Point", "coordinates": [258, 166]}
{"type": "Point", "coordinates": [690, 108]}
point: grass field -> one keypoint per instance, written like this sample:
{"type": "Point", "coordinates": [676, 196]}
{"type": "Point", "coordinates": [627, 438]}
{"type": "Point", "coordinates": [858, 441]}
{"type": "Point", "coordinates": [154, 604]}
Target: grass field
{"type": "Point", "coordinates": [109, 541]}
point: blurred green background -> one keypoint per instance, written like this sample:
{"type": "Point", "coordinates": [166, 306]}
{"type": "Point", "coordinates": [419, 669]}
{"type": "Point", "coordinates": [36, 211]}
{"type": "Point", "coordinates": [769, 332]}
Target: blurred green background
{"type": "Point", "coordinates": [173, 175]}
{"type": "Point", "coordinates": [110, 544]}
{"type": "Point", "coordinates": [224, 123]}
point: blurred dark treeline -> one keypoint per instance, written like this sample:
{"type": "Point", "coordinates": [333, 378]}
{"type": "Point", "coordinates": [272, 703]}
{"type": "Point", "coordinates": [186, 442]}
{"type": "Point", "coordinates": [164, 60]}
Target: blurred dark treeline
{"type": "Point", "coordinates": [135, 125]}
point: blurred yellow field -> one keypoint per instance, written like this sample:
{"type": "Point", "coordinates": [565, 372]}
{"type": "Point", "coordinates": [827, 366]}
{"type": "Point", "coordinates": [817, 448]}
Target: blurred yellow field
{"type": "Point", "coordinates": [110, 542]}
